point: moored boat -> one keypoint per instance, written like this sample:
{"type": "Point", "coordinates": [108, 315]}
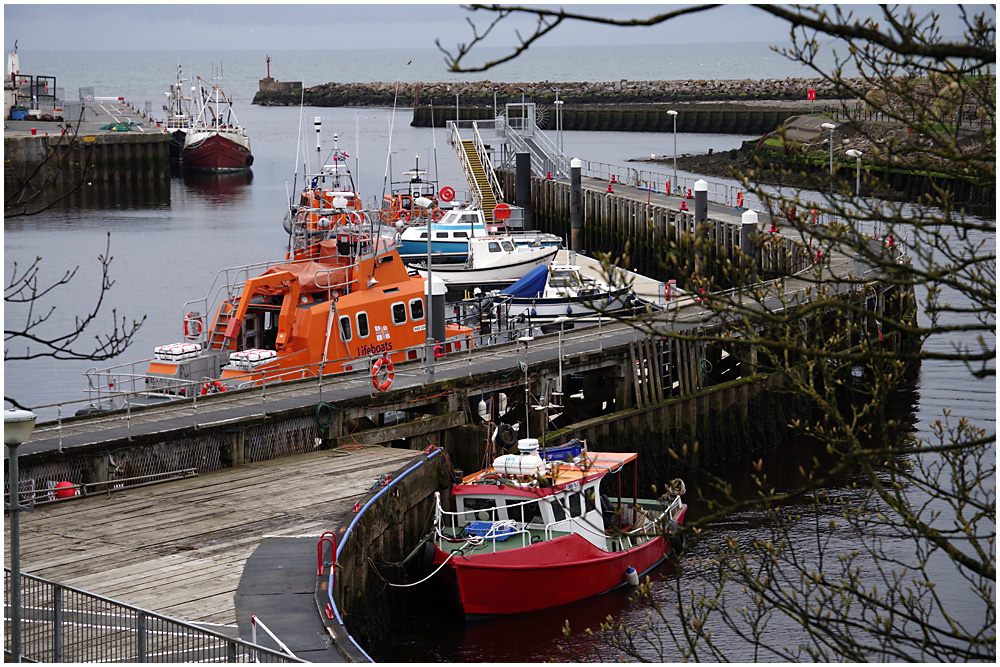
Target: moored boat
{"type": "Point", "coordinates": [450, 235]}
{"type": "Point", "coordinates": [554, 290]}
{"type": "Point", "coordinates": [179, 116]}
{"type": "Point", "coordinates": [536, 530]}
{"type": "Point", "coordinates": [215, 141]}
{"type": "Point", "coordinates": [343, 301]}
{"type": "Point", "coordinates": [400, 206]}
{"type": "Point", "coordinates": [493, 262]}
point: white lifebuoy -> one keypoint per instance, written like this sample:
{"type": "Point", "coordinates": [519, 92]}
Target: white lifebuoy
{"type": "Point", "coordinates": [437, 214]}
{"type": "Point", "coordinates": [377, 368]}
{"type": "Point", "coordinates": [193, 326]}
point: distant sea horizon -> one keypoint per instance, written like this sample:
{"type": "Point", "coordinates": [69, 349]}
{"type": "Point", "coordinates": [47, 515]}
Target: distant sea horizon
{"type": "Point", "coordinates": [141, 76]}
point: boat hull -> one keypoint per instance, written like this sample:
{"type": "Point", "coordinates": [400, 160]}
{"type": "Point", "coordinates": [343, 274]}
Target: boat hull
{"type": "Point", "coordinates": [216, 153]}
{"type": "Point", "coordinates": [547, 574]}
{"type": "Point", "coordinates": [457, 277]}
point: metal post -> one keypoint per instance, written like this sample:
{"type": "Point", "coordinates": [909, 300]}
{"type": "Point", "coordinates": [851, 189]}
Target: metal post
{"type": "Point", "coordinates": [857, 154]}
{"type": "Point", "coordinates": [575, 207]}
{"type": "Point", "coordinates": [831, 127]}
{"type": "Point", "coordinates": [18, 425]}
{"type": "Point", "coordinates": [495, 89]}
{"type": "Point", "coordinates": [673, 113]}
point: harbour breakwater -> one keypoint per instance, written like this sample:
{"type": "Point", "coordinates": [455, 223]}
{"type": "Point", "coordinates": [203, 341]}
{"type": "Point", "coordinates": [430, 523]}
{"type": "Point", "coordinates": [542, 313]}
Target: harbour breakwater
{"type": "Point", "coordinates": [623, 105]}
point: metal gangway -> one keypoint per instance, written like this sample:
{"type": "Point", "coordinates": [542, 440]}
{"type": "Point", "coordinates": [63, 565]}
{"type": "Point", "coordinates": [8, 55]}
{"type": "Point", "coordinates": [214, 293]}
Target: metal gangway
{"type": "Point", "coordinates": [483, 146]}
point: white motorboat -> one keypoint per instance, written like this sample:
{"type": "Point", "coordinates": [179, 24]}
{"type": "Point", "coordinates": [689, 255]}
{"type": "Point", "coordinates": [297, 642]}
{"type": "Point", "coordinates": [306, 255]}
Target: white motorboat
{"type": "Point", "coordinates": [493, 262]}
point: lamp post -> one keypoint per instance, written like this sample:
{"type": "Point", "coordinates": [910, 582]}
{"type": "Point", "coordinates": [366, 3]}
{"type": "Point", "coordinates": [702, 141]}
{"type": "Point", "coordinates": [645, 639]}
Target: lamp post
{"type": "Point", "coordinates": [831, 127]}
{"type": "Point", "coordinates": [857, 154]}
{"type": "Point", "coordinates": [17, 428]}
{"type": "Point", "coordinates": [673, 113]}
{"type": "Point", "coordinates": [495, 89]}
{"type": "Point", "coordinates": [527, 338]}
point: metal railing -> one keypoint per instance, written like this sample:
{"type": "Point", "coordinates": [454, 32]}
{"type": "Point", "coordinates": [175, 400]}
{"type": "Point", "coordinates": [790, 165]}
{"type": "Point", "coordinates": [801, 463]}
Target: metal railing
{"type": "Point", "coordinates": [64, 624]}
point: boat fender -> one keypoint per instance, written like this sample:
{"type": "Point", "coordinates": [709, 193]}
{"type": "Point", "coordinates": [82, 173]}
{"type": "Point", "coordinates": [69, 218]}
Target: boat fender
{"type": "Point", "coordinates": [213, 387]}
{"type": "Point", "coordinates": [631, 576]}
{"type": "Point", "coordinates": [382, 385]}
{"type": "Point", "coordinates": [505, 435]}
{"type": "Point", "coordinates": [675, 537]}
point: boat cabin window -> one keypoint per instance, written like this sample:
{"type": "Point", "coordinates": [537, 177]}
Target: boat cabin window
{"type": "Point", "coordinates": [469, 218]}
{"type": "Point", "coordinates": [441, 235]}
{"type": "Point", "coordinates": [423, 236]}
{"type": "Point", "coordinates": [362, 319]}
{"type": "Point", "coordinates": [493, 246]}
{"type": "Point", "coordinates": [507, 245]}
{"type": "Point", "coordinates": [399, 313]}
{"type": "Point", "coordinates": [461, 235]}
{"type": "Point", "coordinates": [572, 502]}
{"type": "Point", "coordinates": [565, 279]}
{"type": "Point", "coordinates": [345, 328]}
{"type": "Point", "coordinates": [416, 309]}
{"type": "Point", "coordinates": [589, 500]}
{"type": "Point", "coordinates": [482, 507]}
{"type": "Point", "coordinates": [525, 513]}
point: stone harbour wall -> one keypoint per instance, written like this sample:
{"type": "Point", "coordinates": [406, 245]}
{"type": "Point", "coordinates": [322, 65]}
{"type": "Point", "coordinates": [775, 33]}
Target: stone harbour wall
{"type": "Point", "coordinates": [482, 92]}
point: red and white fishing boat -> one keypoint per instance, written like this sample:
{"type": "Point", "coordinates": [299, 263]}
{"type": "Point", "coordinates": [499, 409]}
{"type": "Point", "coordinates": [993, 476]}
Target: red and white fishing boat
{"type": "Point", "coordinates": [535, 530]}
{"type": "Point", "coordinates": [215, 141]}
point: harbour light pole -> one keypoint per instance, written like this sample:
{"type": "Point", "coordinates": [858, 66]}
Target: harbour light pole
{"type": "Point", "coordinates": [831, 127]}
{"type": "Point", "coordinates": [673, 113]}
{"type": "Point", "coordinates": [17, 428]}
{"type": "Point", "coordinates": [857, 154]}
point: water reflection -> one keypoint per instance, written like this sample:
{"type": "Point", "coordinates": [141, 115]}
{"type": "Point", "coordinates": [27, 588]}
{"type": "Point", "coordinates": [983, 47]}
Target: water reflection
{"type": "Point", "coordinates": [218, 188]}
{"type": "Point", "coordinates": [97, 195]}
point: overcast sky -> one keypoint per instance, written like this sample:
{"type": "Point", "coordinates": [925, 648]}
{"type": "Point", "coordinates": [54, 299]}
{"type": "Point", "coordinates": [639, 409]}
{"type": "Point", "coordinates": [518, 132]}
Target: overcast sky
{"type": "Point", "coordinates": [249, 24]}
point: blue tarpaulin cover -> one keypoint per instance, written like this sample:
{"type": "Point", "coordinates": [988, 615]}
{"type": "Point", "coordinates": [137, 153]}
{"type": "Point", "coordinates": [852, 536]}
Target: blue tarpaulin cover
{"type": "Point", "coordinates": [531, 285]}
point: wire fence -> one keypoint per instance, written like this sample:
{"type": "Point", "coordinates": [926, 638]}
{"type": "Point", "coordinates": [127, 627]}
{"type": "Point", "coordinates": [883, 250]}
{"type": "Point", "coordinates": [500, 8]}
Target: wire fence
{"type": "Point", "coordinates": [63, 624]}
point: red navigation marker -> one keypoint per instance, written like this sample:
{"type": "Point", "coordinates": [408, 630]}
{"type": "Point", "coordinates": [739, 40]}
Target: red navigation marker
{"type": "Point", "coordinates": [447, 193]}
{"type": "Point", "coordinates": [501, 211]}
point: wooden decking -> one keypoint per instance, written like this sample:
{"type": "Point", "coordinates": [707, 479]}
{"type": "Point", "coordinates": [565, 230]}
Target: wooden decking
{"type": "Point", "coordinates": [179, 548]}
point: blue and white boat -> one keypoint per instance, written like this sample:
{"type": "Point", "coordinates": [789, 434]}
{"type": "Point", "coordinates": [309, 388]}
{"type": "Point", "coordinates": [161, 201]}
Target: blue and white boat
{"type": "Point", "coordinates": [450, 235]}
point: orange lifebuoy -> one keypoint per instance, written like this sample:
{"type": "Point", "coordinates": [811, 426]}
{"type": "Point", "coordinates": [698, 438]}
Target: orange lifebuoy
{"type": "Point", "coordinates": [193, 326]}
{"type": "Point", "coordinates": [739, 199]}
{"type": "Point", "coordinates": [447, 193]}
{"type": "Point", "coordinates": [437, 214]}
{"type": "Point", "coordinates": [389, 375]}
{"type": "Point", "coordinates": [404, 216]}
{"type": "Point", "coordinates": [213, 387]}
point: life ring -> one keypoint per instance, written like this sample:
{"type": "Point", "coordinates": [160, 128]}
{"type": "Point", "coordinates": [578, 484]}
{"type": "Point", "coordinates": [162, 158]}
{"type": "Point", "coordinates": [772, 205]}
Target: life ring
{"type": "Point", "coordinates": [505, 434]}
{"type": "Point", "coordinates": [447, 193]}
{"type": "Point", "coordinates": [213, 387]}
{"type": "Point", "coordinates": [404, 216]}
{"type": "Point", "coordinates": [437, 214]}
{"type": "Point", "coordinates": [193, 326]}
{"type": "Point", "coordinates": [376, 369]}
{"type": "Point", "coordinates": [739, 199]}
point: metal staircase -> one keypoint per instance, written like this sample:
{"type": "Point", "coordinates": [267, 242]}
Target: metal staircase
{"type": "Point", "coordinates": [514, 132]}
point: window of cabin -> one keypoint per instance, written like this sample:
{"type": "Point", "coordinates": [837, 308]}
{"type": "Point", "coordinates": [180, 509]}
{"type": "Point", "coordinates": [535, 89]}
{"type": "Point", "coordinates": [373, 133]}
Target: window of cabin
{"type": "Point", "coordinates": [416, 309]}
{"type": "Point", "coordinates": [440, 235]}
{"type": "Point", "coordinates": [493, 246]}
{"type": "Point", "coordinates": [362, 319]}
{"type": "Point", "coordinates": [461, 235]}
{"type": "Point", "coordinates": [345, 328]}
{"type": "Point", "coordinates": [399, 313]}
{"type": "Point", "coordinates": [481, 507]}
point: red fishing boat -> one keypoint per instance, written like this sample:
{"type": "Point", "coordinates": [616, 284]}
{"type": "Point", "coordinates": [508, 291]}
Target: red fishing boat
{"type": "Point", "coordinates": [215, 141]}
{"type": "Point", "coordinates": [535, 530]}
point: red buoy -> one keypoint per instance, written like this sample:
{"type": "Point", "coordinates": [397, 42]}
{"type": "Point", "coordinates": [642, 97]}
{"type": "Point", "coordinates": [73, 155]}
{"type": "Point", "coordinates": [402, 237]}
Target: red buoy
{"type": "Point", "coordinates": [65, 490]}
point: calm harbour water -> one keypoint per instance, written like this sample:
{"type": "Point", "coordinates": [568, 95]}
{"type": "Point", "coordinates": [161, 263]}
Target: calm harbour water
{"type": "Point", "coordinates": [167, 249]}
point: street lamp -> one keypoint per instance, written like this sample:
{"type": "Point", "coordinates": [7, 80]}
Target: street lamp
{"type": "Point", "coordinates": [17, 428]}
{"type": "Point", "coordinates": [495, 89]}
{"type": "Point", "coordinates": [831, 127]}
{"type": "Point", "coordinates": [673, 113]}
{"type": "Point", "coordinates": [857, 154]}
{"type": "Point", "coordinates": [558, 105]}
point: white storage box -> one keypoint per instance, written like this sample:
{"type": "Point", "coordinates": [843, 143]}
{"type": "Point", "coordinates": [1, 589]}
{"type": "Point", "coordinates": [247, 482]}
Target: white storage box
{"type": "Point", "coordinates": [250, 359]}
{"type": "Point", "coordinates": [177, 351]}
